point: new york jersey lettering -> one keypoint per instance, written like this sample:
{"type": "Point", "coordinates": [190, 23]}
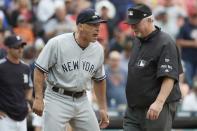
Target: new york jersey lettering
{"type": "Point", "coordinates": [74, 65]}
{"type": "Point", "coordinates": [70, 65]}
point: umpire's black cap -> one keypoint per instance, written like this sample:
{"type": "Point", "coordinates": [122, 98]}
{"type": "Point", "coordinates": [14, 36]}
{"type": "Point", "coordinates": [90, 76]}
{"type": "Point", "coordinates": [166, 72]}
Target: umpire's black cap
{"type": "Point", "coordinates": [137, 13]}
{"type": "Point", "coordinates": [89, 16]}
{"type": "Point", "coordinates": [14, 41]}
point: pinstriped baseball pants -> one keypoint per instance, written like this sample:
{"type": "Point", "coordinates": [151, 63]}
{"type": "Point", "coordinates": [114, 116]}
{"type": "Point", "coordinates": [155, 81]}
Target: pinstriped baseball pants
{"type": "Point", "coordinates": [61, 109]}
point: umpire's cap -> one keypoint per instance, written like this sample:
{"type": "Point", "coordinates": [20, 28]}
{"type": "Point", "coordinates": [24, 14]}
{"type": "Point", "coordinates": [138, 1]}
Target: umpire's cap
{"type": "Point", "coordinates": [89, 16]}
{"type": "Point", "coordinates": [137, 13]}
{"type": "Point", "coordinates": [14, 41]}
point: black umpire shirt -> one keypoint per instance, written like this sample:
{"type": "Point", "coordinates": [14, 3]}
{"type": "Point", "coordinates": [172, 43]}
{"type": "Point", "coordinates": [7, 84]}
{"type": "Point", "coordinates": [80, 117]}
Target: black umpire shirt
{"type": "Point", "coordinates": [152, 58]}
{"type": "Point", "coordinates": [14, 79]}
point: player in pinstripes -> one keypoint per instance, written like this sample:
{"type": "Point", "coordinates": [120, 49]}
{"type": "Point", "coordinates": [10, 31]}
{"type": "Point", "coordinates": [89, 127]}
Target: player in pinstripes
{"type": "Point", "coordinates": [71, 61]}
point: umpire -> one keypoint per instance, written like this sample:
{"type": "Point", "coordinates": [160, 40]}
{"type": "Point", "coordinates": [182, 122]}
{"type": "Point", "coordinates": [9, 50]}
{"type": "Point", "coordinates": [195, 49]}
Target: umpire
{"type": "Point", "coordinates": [152, 88]}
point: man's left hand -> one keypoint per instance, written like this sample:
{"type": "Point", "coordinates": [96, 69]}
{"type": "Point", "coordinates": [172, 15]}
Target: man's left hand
{"type": "Point", "coordinates": [104, 122]}
{"type": "Point", "coordinates": [154, 110]}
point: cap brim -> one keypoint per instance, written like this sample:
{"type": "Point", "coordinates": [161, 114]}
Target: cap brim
{"type": "Point", "coordinates": [97, 21]}
{"type": "Point", "coordinates": [18, 44]}
{"type": "Point", "coordinates": [132, 21]}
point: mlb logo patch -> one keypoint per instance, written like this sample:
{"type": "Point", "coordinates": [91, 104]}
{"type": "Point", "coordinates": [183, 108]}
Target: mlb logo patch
{"type": "Point", "coordinates": [130, 13]}
{"type": "Point", "coordinates": [141, 63]}
{"type": "Point", "coordinates": [18, 37]}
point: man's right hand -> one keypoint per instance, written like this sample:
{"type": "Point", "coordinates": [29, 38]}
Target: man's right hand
{"type": "Point", "coordinates": [38, 106]}
{"type": "Point", "coordinates": [2, 114]}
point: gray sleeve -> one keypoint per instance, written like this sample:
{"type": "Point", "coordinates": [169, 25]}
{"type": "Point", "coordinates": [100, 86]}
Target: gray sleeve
{"type": "Point", "coordinates": [47, 57]}
{"type": "Point", "coordinates": [100, 72]}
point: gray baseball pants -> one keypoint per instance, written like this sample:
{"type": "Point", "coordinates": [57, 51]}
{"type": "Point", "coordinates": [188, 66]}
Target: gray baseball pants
{"type": "Point", "coordinates": [61, 109]}
{"type": "Point", "coordinates": [135, 119]}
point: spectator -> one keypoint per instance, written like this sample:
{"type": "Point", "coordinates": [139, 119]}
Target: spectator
{"type": "Point", "coordinates": [24, 30]}
{"type": "Point", "coordinates": [3, 21]}
{"type": "Point", "coordinates": [184, 87]}
{"type": "Point", "coordinates": [125, 54]}
{"type": "Point", "coordinates": [103, 29]}
{"type": "Point", "coordinates": [115, 80]}
{"type": "Point", "coordinates": [190, 101]}
{"type": "Point", "coordinates": [22, 7]}
{"type": "Point", "coordinates": [45, 10]}
{"type": "Point", "coordinates": [161, 18]}
{"type": "Point", "coordinates": [2, 47]}
{"type": "Point", "coordinates": [117, 43]}
{"type": "Point", "coordinates": [171, 26]}
{"type": "Point", "coordinates": [187, 40]}
{"type": "Point", "coordinates": [107, 11]}
{"type": "Point", "coordinates": [60, 24]}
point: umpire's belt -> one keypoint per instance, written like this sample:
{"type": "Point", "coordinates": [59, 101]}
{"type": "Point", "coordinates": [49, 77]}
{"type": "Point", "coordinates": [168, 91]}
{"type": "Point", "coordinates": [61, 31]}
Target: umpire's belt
{"type": "Point", "coordinates": [69, 93]}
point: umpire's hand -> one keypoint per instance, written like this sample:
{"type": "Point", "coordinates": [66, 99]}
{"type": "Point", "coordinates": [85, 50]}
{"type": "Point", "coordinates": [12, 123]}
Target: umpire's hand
{"type": "Point", "coordinates": [104, 122]}
{"type": "Point", "coordinates": [38, 106]}
{"type": "Point", "coordinates": [154, 110]}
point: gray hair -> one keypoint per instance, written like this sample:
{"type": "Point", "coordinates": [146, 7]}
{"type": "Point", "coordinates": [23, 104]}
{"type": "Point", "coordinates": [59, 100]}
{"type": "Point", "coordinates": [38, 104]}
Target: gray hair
{"type": "Point", "coordinates": [150, 18]}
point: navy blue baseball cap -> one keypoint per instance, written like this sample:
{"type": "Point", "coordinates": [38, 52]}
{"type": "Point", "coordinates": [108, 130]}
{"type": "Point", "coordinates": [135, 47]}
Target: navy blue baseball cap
{"type": "Point", "coordinates": [137, 13]}
{"type": "Point", "coordinates": [14, 41]}
{"type": "Point", "coordinates": [89, 16]}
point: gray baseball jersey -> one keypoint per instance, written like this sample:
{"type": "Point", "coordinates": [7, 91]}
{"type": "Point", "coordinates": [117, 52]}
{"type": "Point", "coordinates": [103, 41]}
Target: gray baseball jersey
{"type": "Point", "coordinates": [70, 67]}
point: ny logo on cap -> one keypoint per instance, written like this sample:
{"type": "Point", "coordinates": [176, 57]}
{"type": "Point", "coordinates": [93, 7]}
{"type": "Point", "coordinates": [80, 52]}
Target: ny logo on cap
{"type": "Point", "coordinates": [130, 13]}
{"type": "Point", "coordinates": [96, 15]}
{"type": "Point", "coordinates": [18, 37]}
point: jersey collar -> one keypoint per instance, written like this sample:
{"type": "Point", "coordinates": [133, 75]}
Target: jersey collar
{"type": "Point", "coordinates": [150, 35]}
{"type": "Point", "coordinates": [83, 48]}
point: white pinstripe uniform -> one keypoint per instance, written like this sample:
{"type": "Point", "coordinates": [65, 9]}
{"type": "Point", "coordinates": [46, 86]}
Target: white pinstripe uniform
{"type": "Point", "coordinates": [71, 68]}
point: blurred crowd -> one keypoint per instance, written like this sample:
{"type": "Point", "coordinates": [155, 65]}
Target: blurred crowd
{"type": "Point", "coordinates": [36, 21]}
